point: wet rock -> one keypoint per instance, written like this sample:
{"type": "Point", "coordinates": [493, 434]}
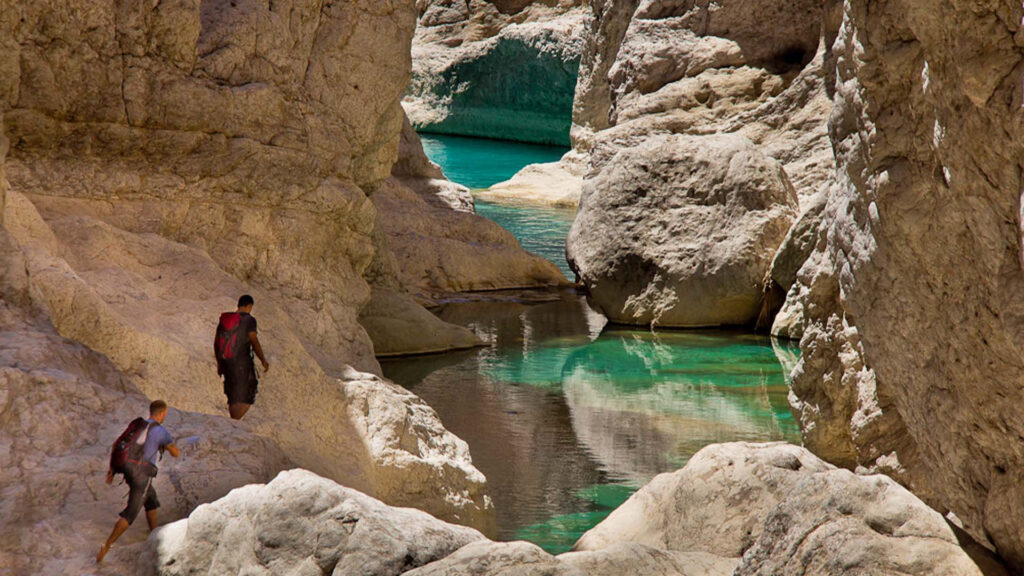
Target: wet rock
{"type": "Point", "coordinates": [680, 231]}
{"type": "Point", "coordinates": [299, 523]}
{"type": "Point", "coordinates": [398, 326]}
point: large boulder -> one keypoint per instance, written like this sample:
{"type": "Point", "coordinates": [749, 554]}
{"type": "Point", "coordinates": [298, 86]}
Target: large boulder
{"type": "Point", "coordinates": [782, 510]}
{"type": "Point", "coordinates": [915, 368]}
{"type": "Point", "coordinates": [301, 523]}
{"type": "Point", "coordinates": [485, 558]}
{"type": "Point", "coordinates": [680, 231]}
{"type": "Point", "coordinates": [479, 70]}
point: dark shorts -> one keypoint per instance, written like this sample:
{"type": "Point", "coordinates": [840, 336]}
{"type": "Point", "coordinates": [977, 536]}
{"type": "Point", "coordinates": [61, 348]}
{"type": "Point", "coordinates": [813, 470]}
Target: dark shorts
{"type": "Point", "coordinates": [240, 386]}
{"type": "Point", "coordinates": [140, 492]}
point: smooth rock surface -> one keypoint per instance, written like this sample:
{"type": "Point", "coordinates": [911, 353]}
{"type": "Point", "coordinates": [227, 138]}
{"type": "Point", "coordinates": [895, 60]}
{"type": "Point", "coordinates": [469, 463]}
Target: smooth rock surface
{"type": "Point", "coordinates": [301, 523]}
{"type": "Point", "coordinates": [479, 70]}
{"type": "Point", "coordinates": [785, 511]}
{"type": "Point", "coordinates": [440, 251]}
{"type": "Point", "coordinates": [398, 326]}
{"type": "Point", "coordinates": [679, 231]}
{"type": "Point", "coordinates": [915, 368]}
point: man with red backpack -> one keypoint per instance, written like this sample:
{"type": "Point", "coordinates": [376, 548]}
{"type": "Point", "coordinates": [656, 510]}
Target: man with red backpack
{"type": "Point", "coordinates": [134, 455]}
{"type": "Point", "coordinates": [233, 348]}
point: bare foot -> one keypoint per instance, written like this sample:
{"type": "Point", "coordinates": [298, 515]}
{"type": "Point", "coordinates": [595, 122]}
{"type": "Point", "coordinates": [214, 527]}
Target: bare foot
{"type": "Point", "coordinates": [103, 552]}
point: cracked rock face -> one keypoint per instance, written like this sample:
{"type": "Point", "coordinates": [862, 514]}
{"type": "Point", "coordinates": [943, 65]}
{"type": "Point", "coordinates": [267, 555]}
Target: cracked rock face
{"type": "Point", "coordinates": [166, 158]}
{"type": "Point", "coordinates": [914, 369]}
{"type": "Point", "coordinates": [703, 70]}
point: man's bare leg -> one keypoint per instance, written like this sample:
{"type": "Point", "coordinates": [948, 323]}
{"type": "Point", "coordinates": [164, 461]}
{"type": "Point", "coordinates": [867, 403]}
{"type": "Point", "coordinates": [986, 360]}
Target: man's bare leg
{"type": "Point", "coordinates": [119, 529]}
{"type": "Point", "coordinates": [151, 519]}
{"type": "Point", "coordinates": [238, 410]}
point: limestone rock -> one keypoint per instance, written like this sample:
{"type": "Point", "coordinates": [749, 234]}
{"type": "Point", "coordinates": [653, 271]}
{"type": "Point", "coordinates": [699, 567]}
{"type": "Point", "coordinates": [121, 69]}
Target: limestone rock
{"type": "Point", "coordinates": [301, 523]}
{"type": "Point", "coordinates": [440, 251]}
{"type": "Point", "coordinates": [716, 504]}
{"type": "Point", "coordinates": [64, 405]}
{"type": "Point", "coordinates": [253, 151]}
{"type": "Point", "coordinates": [398, 325]}
{"type": "Point", "coordinates": [680, 230]}
{"type": "Point", "coordinates": [785, 511]}
{"type": "Point", "coordinates": [840, 523]}
{"type": "Point", "coordinates": [481, 73]}
{"type": "Point", "coordinates": [484, 558]}
{"type": "Point", "coordinates": [557, 184]}
{"type": "Point", "coordinates": [150, 305]}
{"type": "Point", "coordinates": [416, 171]}
{"type": "Point", "coordinates": [916, 366]}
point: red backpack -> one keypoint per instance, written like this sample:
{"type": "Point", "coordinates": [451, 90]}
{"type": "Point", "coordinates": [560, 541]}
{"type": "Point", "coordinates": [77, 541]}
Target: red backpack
{"type": "Point", "coordinates": [230, 341]}
{"type": "Point", "coordinates": [129, 446]}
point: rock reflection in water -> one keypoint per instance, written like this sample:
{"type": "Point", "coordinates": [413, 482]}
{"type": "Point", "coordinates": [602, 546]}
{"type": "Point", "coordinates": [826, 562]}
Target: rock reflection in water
{"type": "Point", "coordinates": [554, 406]}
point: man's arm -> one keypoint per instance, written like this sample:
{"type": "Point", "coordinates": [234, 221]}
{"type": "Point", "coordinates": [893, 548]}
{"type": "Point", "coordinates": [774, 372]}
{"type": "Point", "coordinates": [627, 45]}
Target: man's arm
{"type": "Point", "coordinates": [258, 350]}
{"type": "Point", "coordinates": [173, 449]}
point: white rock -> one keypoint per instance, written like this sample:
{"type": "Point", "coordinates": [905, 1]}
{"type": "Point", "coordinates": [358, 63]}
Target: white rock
{"type": "Point", "coordinates": [301, 523]}
{"type": "Point", "coordinates": [680, 231]}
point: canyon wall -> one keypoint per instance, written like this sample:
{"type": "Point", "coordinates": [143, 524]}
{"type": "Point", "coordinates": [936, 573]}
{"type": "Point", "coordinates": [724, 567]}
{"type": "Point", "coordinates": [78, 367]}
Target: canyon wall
{"type": "Point", "coordinates": [911, 358]}
{"type": "Point", "coordinates": [166, 158]}
{"type": "Point", "coordinates": [496, 69]}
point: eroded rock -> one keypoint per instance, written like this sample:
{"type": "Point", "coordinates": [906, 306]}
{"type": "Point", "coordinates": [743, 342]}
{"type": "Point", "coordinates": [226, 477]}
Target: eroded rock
{"type": "Point", "coordinates": [680, 231]}
{"type": "Point", "coordinates": [301, 523]}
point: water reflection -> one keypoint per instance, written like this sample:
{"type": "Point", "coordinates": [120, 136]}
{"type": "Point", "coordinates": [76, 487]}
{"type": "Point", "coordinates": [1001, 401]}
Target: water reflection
{"type": "Point", "coordinates": [565, 419]}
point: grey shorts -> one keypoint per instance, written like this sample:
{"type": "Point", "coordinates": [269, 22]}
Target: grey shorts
{"type": "Point", "coordinates": [140, 493]}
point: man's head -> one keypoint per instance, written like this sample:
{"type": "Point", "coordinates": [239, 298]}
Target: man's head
{"type": "Point", "coordinates": [245, 303]}
{"type": "Point", "coordinates": [158, 410]}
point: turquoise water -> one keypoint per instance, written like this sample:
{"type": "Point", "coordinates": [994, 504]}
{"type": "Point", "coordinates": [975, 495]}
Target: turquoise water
{"type": "Point", "coordinates": [480, 163]}
{"type": "Point", "coordinates": [567, 417]}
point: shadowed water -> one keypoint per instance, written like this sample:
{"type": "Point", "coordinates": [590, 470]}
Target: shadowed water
{"type": "Point", "coordinates": [567, 417]}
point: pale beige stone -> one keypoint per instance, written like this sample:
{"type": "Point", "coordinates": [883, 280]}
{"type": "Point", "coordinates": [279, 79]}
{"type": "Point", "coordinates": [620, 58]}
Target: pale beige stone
{"type": "Point", "coordinates": [300, 523]}
{"type": "Point", "coordinates": [680, 231]}
{"type": "Point", "coordinates": [784, 511]}
{"type": "Point", "coordinates": [916, 366]}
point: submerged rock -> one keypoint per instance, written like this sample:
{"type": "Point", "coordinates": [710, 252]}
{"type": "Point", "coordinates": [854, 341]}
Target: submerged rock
{"type": "Point", "coordinates": [680, 231]}
{"type": "Point", "coordinates": [480, 70]}
{"type": "Point", "coordinates": [301, 523]}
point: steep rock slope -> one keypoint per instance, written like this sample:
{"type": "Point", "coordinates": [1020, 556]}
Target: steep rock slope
{"type": "Point", "coordinates": [496, 69]}
{"type": "Point", "coordinates": [911, 358]}
{"type": "Point", "coordinates": [166, 158]}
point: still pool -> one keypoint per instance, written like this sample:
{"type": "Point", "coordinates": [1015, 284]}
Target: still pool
{"type": "Point", "coordinates": [567, 416]}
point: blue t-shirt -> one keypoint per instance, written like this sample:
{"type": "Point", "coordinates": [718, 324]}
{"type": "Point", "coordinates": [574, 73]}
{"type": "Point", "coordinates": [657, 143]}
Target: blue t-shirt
{"type": "Point", "coordinates": [158, 438]}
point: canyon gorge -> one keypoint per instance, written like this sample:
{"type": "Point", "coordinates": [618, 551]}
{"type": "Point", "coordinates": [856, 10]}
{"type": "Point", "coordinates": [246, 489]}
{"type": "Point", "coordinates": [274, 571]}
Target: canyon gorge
{"type": "Point", "coordinates": [846, 176]}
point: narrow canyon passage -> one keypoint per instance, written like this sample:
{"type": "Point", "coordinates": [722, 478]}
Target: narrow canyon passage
{"type": "Point", "coordinates": [567, 416]}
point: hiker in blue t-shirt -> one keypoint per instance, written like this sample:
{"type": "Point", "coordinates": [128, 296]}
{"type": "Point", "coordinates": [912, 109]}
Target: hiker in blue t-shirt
{"type": "Point", "coordinates": [139, 475]}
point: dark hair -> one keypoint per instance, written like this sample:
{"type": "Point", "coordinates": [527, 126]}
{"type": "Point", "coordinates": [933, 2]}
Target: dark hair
{"type": "Point", "coordinates": [245, 300]}
{"type": "Point", "coordinates": [157, 406]}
